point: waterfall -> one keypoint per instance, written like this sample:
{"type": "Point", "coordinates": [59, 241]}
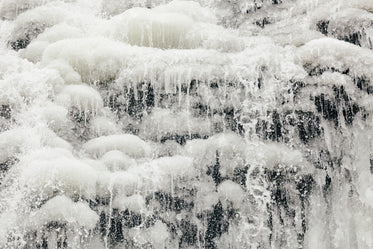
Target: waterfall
{"type": "Point", "coordinates": [186, 124]}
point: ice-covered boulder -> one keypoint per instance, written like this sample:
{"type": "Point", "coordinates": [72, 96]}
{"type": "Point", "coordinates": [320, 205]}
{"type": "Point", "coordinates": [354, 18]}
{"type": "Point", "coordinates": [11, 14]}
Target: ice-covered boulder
{"type": "Point", "coordinates": [64, 211]}
{"type": "Point", "coordinates": [83, 98]}
{"type": "Point", "coordinates": [130, 145]}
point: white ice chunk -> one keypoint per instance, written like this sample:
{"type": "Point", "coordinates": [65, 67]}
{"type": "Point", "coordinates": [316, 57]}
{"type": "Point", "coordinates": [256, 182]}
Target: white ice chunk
{"type": "Point", "coordinates": [134, 203]}
{"type": "Point", "coordinates": [130, 145]}
{"type": "Point", "coordinates": [95, 59]}
{"type": "Point", "coordinates": [82, 97]}
{"type": "Point", "coordinates": [116, 160]}
{"type": "Point", "coordinates": [43, 176]}
{"type": "Point", "coordinates": [63, 210]}
{"type": "Point", "coordinates": [231, 191]}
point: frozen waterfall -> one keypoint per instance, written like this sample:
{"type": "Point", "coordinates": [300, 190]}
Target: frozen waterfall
{"type": "Point", "coordinates": [218, 124]}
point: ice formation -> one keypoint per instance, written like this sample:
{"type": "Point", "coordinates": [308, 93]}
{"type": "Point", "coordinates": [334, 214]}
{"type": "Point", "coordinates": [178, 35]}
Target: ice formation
{"type": "Point", "coordinates": [186, 124]}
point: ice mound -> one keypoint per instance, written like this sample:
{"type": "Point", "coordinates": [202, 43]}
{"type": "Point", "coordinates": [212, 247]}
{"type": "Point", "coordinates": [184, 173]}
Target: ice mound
{"type": "Point", "coordinates": [162, 123]}
{"type": "Point", "coordinates": [115, 7]}
{"type": "Point", "coordinates": [228, 149]}
{"type": "Point", "coordinates": [206, 197]}
{"type": "Point", "coordinates": [10, 9]}
{"type": "Point", "coordinates": [95, 59]}
{"type": "Point", "coordinates": [133, 203]}
{"type": "Point", "coordinates": [340, 55]}
{"type": "Point", "coordinates": [349, 24]}
{"type": "Point", "coordinates": [65, 71]}
{"type": "Point", "coordinates": [30, 24]}
{"type": "Point", "coordinates": [232, 192]}
{"type": "Point", "coordinates": [103, 126]}
{"type": "Point", "coordinates": [63, 173]}
{"type": "Point", "coordinates": [361, 4]}
{"type": "Point", "coordinates": [11, 143]}
{"type": "Point", "coordinates": [56, 117]}
{"type": "Point", "coordinates": [82, 98]}
{"type": "Point", "coordinates": [116, 160]}
{"type": "Point", "coordinates": [64, 211]}
{"type": "Point", "coordinates": [34, 51]}
{"type": "Point", "coordinates": [19, 89]}
{"type": "Point", "coordinates": [130, 145]}
{"type": "Point", "coordinates": [179, 24]}
{"type": "Point", "coordinates": [275, 156]}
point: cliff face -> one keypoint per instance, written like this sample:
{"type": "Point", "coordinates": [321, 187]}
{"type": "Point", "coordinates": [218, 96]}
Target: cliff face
{"type": "Point", "coordinates": [182, 124]}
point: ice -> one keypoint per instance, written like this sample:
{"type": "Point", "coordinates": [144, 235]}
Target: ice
{"type": "Point", "coordinates": [326, 52]}
{"type": "Point", "coordinates": [230, 191]}
{"type": "Point", "coordinates": [10, 9]}
{"type": "Point", "coordinates": [34, 51]}
{"type": "Point", "coordinates": [103, 126]}
{"type": "Point", "coordinates": [61, 174]}
{"type": "Point", "coordinates": [11, 142]}
{"type": "Point", "coordinates": [95, 59]}
{"type": "Point", "coordinates": [64, 211]}
{"type": "Point", "coordinates": [130, 145]}
{"type": "Point", "coordinates": [162, 122]}
{"type": "Point", "coordinates": [133, 203]}
{"type": "Point", "coordinates": [186, 124]}
{"type": "Point", "coordinates": [56, 117]}
{"type": "Point", "coordinates": [116, 160]}
{"type": "Point", "coordinates": [82, 98]}
{"type": "Point", "coordinates": [30, 24]}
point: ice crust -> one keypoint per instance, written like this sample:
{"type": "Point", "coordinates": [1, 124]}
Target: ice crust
{"type": "Point", "coordinates": [186, 124]}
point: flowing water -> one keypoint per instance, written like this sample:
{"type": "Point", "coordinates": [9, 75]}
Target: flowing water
{"type": "Point", "coordinates": [186, 124]}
